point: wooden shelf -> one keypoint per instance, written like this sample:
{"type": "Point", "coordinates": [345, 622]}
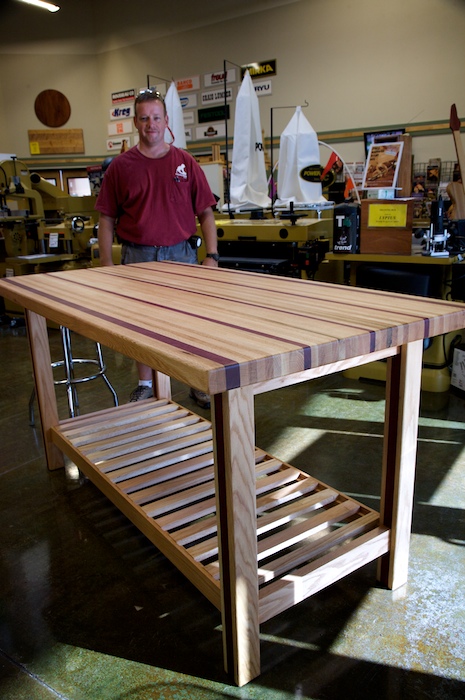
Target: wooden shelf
{"type": "Point", "coordinates": [155, 461]}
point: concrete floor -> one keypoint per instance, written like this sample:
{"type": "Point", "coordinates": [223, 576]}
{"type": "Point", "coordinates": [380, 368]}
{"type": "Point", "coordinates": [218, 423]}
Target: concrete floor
{"type": "Point", "coordinates": [90, 610]}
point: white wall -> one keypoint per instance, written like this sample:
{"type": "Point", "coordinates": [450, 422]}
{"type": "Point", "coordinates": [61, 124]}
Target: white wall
{"type": "Point", "coordinates": [359, 64]}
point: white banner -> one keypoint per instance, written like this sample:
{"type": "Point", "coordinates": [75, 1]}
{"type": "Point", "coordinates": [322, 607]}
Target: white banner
{"type": "Point", "coordinates": [188, 117]}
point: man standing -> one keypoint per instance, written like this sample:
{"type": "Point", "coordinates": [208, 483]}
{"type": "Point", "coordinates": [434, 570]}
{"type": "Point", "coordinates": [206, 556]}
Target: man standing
{"type": "Point", "coordinates": [152, 194]}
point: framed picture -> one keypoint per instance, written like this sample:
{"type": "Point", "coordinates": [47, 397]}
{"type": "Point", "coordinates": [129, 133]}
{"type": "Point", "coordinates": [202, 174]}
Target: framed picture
{"type": "Point", "coordinates": [382, 165]}
{"type": "Point", "coordinates": [370, 137]}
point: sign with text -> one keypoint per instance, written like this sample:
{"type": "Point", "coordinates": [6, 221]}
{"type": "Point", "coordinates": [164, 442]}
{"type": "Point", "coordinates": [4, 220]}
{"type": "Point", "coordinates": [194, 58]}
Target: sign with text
{"type": "Point", "coordinates": [263, 69]}
{"type": "Point", "coordinates": [212, 79]}
{"type": "Point", "coordinates": [123, 96]}
{"type": "Point", "coordinates": [185, 84]}
{"type": "Point", "coordinates": [119, 112]}
{"type": "Point", "coordinates": [48, 141]}
{"type": "Point", "coordinates": [188, 101]}
{"type": "Point", "coordinates": [116, 145]}
{"type": "Point", "coordinates": [263, 87]}
{"type": "Point", "coordinates": [216, 96]}
{"type": "Point", "coordinates": [212, 131]}
{"type": "Point", "coordinates": [213, 114]}
{"type": "Point", "coordinates": [122, 127]}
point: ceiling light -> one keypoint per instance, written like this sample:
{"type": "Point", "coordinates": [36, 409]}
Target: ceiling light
{"type": "Point", "coordinates": [44, 5]}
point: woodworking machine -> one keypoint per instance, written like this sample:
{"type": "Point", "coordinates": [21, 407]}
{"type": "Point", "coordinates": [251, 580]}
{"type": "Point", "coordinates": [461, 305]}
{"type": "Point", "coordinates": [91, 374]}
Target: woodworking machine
{"type": "Point", "coordinates": [38, 218]}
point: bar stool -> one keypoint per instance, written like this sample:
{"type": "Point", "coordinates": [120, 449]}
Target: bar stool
{"type": "Point", "coordinates": [71, 380]}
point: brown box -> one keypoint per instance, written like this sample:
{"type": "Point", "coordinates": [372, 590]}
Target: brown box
{"type": "Point", "coordinates": [386, 226]}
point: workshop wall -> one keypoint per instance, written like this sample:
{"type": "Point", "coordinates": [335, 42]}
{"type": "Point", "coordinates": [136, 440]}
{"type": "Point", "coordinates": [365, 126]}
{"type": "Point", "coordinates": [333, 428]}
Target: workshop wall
{"type": "Point", "coordinates": [358, 63]}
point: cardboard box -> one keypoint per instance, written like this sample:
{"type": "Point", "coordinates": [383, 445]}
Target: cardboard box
{"type": "Point", "coordinates": [386, 226]}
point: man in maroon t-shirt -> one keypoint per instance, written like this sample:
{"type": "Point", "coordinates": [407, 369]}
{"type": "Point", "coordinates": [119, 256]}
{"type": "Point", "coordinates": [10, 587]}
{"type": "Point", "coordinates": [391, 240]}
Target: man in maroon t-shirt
{"type": "Point", "coordinates": [151, 195]}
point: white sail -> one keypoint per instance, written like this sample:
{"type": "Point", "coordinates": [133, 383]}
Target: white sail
{"type": "Point", "coordinates": [248, 186]}
{"type": "Point", "coordinates": [299, 161]}
{"type": "Point", "coordinates": [175, 118]}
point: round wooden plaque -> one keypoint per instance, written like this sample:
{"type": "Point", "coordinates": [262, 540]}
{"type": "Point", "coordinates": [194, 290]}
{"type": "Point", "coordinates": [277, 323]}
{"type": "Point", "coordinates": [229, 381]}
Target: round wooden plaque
{"type": "Point", "coordinates": [52, 108]}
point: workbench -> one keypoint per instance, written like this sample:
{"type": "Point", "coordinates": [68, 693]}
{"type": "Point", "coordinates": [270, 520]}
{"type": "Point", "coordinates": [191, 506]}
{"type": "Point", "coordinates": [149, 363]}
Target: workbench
{"type": "Point", "coordinates": [254, 534]}
{"type": "Point", "coordinates": [434, 276]}
{"type": "Point", "coordinates": [439, 266]}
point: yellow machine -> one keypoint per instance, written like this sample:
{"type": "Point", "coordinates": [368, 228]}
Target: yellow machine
{"type": "Point", "coordinates": [291, 245]}
{"type": "Point", "coordinates": [39, 219]}
{"type": "Point", "coordinates": [42, 228]}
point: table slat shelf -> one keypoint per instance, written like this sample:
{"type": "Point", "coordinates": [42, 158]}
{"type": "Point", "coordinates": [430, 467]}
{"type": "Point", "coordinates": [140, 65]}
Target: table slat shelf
{"type": "Point", "coordinates": [155, 460]}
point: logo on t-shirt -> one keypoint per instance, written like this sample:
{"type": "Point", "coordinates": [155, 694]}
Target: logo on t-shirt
{"type": "Point", "coordinates": [180, 173]}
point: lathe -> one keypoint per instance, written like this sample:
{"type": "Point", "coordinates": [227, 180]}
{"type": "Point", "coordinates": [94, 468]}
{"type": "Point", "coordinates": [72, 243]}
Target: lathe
{"type": "Point", "coordinates": [42, 227]}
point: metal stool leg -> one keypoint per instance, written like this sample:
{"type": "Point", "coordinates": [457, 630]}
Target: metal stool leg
{"type": "Point", "coordinates": [68, 363]}
{"type": "Point", "coordinates": [103, 369]}
{"type": "Point", "coordinates": [70, 381]}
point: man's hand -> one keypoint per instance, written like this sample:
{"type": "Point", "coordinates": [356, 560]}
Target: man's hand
{"type": "Point", "coordinates": [209, 262]}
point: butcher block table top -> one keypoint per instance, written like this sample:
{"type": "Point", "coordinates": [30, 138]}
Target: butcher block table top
{"type": "Point", "coordinates": [220, 329]}
{"type": "Point", "coordinates": [255, 535]}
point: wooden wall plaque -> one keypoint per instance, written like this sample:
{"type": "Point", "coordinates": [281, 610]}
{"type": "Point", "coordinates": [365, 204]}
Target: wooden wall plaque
{"type": "Point", "coordinates": [52, 108]}
{"type": "Point", "coordinates": [52, 141]}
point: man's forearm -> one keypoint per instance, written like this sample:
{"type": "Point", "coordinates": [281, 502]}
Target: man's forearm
{"type": "Point", "coordinates": [208, 226]}
{"type": "Point", "coordinates": [106, 229]}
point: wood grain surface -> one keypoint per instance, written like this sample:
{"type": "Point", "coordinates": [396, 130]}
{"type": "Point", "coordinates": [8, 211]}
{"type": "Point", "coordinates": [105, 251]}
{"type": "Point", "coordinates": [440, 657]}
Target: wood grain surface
{"type": "Point", "coordinates": [52, 108]}
{"type": "Point", "coordinates": [219, 329]}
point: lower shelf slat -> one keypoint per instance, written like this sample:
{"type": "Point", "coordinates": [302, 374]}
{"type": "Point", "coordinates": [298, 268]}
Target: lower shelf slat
{"type": "Point", "coordinates": [155, 462]}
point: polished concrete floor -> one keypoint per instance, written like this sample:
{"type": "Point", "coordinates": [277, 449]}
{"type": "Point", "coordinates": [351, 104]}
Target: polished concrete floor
{"type": "Point", "coordinates": [89, 609]}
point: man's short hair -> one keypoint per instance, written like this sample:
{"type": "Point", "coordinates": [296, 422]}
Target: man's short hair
{"type": "Point", "coordinates": [149, 95]}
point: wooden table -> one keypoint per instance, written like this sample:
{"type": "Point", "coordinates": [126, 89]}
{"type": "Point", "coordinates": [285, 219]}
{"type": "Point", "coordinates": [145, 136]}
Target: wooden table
{"type": "Point", "coordinates": [254, 534]}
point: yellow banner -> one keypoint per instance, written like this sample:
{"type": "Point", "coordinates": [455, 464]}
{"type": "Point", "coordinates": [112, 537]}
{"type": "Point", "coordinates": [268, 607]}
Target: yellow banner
{"type": "Point", "coordinates": [385, 215]}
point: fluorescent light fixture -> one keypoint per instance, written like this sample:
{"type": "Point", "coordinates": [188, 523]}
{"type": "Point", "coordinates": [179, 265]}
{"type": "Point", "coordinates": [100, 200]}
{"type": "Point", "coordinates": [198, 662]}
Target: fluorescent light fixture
{"type": "Point", "coordinates": [44, 5]}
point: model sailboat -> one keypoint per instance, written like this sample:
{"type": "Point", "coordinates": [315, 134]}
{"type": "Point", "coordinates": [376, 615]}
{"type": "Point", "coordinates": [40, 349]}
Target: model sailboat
{"type": "Point", "coordinates": [175, 118]}
{"type": "Point", "coordinates": [248, 186]}
{"type": "Point", "coordinates": [299, 172]}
